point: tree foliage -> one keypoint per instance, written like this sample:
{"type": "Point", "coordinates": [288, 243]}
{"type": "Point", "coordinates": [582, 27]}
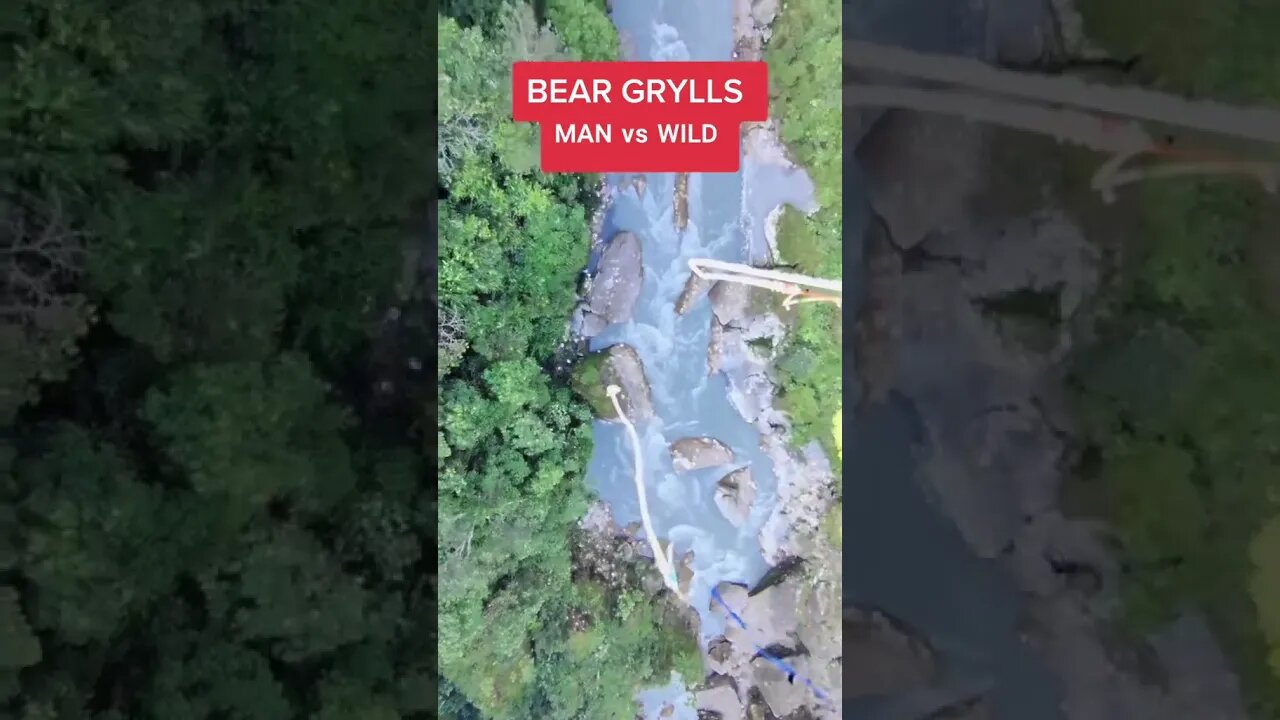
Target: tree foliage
{"type": "Point", "coordinates": [514, 442]}
{"type": "Point", "coordinates": [205, 211]}
{"type": "Point", "coordinates": [1181, 393]}
{"type": "Point", "coordinates": [214, 499]}
{"type": "Point", "coordinates": [804, 56]}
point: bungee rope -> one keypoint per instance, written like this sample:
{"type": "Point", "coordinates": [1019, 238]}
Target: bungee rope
{"type": "Point", "coordinates": [665, 560]}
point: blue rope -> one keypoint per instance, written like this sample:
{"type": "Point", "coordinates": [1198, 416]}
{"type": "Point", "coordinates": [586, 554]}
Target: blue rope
{"type": "Point", "coordinates": [786, 668]}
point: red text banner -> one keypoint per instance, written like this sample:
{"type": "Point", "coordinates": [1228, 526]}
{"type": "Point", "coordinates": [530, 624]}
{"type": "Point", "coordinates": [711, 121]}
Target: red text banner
{"type": "Point", "coordinates": [623, 117]}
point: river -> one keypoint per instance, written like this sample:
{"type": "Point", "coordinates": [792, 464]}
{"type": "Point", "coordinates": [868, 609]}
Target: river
{"type": "Point", "coordinates": [726, 221]}
{"type": "Point", "coordinates": [901, 554]}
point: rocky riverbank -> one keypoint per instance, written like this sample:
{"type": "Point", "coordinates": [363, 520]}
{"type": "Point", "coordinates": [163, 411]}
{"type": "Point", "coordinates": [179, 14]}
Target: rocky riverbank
{"type": "Point", "coordinates": [795, 611]}
{"type": "Point", "coordinates": [973, 307]}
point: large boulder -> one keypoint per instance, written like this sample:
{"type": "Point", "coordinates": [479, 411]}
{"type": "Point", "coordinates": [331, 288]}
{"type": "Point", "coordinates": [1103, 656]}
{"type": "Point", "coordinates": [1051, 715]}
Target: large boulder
{"type": "Point", "coordinates": [680, 201]}
{"type": "Point", "coordinates": [735, 494]}
{"type": "Point", "coordinates": [1181, 674]}
{"type": "Point", "coordinates": [718, 703]}
{"type": "Point", "coordinates": [1201, 681]}
{"type": "Point", "coordinates": [878, 322]}
{"type": "Point", "coordinates": [730, 301]}
{"type": "Point", "coordinates": [696, 453]}
{"type": "Point", "coordinates": [617, 283]}
{"type": "Point", "coordinates": [922, 171]}
{"type": "Point", "coordinates": [695, 287]}
{"type": "Point", "coordinates": [858, 122]}
{"type": "Point", "coordinates": [970, 327]}
{"type": "Point", "coordinates": [783, 696]}
{"type": "Point", "coordinates": [793, 613]}
{"type": "Point", "coordinates": [882, 656]}
{"type": "Point", "coordinates": [615, 365]}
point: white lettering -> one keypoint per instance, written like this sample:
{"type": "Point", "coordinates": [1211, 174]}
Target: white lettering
{"type": "Point", "coordinates": [584, 133]}
{"type": "Point", "coordinates": [537, 90]}
{"type": "Point", "coordinates": [733, 90]}
{"type": "Point", "coordinates": [684, 133]}
{"type": "Point", "coordinates": [633, 90]}
{"type": "Point", "coordinates": [563, 92]}
{"type": "Point", "coordinates": [600, 90]}
{"type": "Point", "coordinates": [658, 90]}
{"type": "Point", "coordinates": [635, 135]}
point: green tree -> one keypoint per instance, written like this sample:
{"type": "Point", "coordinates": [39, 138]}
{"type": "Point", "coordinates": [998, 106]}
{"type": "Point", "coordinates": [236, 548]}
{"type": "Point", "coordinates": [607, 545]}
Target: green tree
{"type": "Point", "coordinates": [249, 433]}
{"type": "Point", "coordinates": [99, 544]}
{"type": "Point", "coordinates": [21, 646]}
{"type": "Point", "coordinates": [581, 25]}
{"type": "Point", "coordinates": [286, 593]}
{"type": "Point", "coordinates": [206, 677]}
{"type": "Point", "coordinates": [1265, 587]}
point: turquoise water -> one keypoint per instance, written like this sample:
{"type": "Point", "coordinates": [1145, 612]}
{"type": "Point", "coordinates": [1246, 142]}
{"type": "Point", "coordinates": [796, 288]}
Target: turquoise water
{"type": "Point", "coordinates": [724, 224]}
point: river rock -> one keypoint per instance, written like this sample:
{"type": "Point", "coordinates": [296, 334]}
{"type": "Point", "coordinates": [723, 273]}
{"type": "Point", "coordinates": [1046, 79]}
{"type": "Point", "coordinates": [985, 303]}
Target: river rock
{"type": "Point", "coordinates": [1201, 681]}
{"type": "Point", "coordinates": [783, 696]}
{"type": "Point", "coordinates": [730, 301]}
{"type": "Point", "coordinates": [618, 279]}
{"type": "Point", "coordinates": [719, 340]}
{"type": "Point", "coordinates": [694, 288]}
{"type": "Point", "coordinates": [587, 324]}
{"type": "Point", "coordinates": [986, 313]}
{"type": "Point", "coordinates": [795, 612]}
{"type": "Point", "coordinates": [622, 366]}
{"type": "Point", "coordinates": [735, 493]}
{"type": "Point", "coordinates": [599, 519]}
{"type": "Point", "coordinates": [684, 572]}
{"type": "Point", "coordinates": [680, 201]}
{"type": "Point", "coordinates": [1054, 554]}
{"type": "Point", "coordinates": [883, 656]}
{"type": "Point", "coordinates": [860, 121]}
{"type": "Point", "coordinates": [719, 650]}
{"type": "Point", "coordinates": [1020, 33]}
{"type": "Point", "coordinates": [879, 321]}
{"type": "Point", "coordinates": [971, 709]}
{"type": "Point", "coordinates": [695, 453]}
{"type": "Point", "coordinates": [922, 170]}
{"type": "Point", "coordinates": [769, 616]}
{"type": "Point", "coordinates": [784, 618]}
{"type": "Point", "coordinates": [806, 491]}
{"type": "Point", "coordinates": [719, 703]}
{"type": "Point", "coordinates": [763, 12]}
{"type": "Point", "coordinates": [1191, 677]}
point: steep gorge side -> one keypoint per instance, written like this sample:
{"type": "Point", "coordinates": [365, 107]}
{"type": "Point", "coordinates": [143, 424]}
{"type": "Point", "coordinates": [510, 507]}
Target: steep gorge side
{"type": "Point", "coordinates": [987, 272]}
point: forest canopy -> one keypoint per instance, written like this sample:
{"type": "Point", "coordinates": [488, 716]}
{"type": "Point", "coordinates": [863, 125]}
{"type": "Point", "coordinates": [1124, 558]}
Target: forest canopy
{"type": "Point", "coordinates": [213, 478]}
{"type": "Point", "coordinates": [1180, 395]}
{"type": "Point", "coordinates": [522, 633]}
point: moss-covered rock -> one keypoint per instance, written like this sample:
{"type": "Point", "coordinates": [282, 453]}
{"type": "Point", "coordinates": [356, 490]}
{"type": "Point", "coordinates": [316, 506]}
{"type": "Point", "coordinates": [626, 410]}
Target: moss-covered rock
{"type": "Point", "coordinates": [615, 365]}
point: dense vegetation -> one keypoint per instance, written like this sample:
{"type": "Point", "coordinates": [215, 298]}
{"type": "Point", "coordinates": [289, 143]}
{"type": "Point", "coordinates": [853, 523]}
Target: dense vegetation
{"type": "Point", "coordinates": [522, 632]}
{"type": "Point", "coordinates": [206, 511]}
{"type": "Point", "coordinates": [1182, 392]}
{"type": "Point", "coordinates": [805, 71]}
